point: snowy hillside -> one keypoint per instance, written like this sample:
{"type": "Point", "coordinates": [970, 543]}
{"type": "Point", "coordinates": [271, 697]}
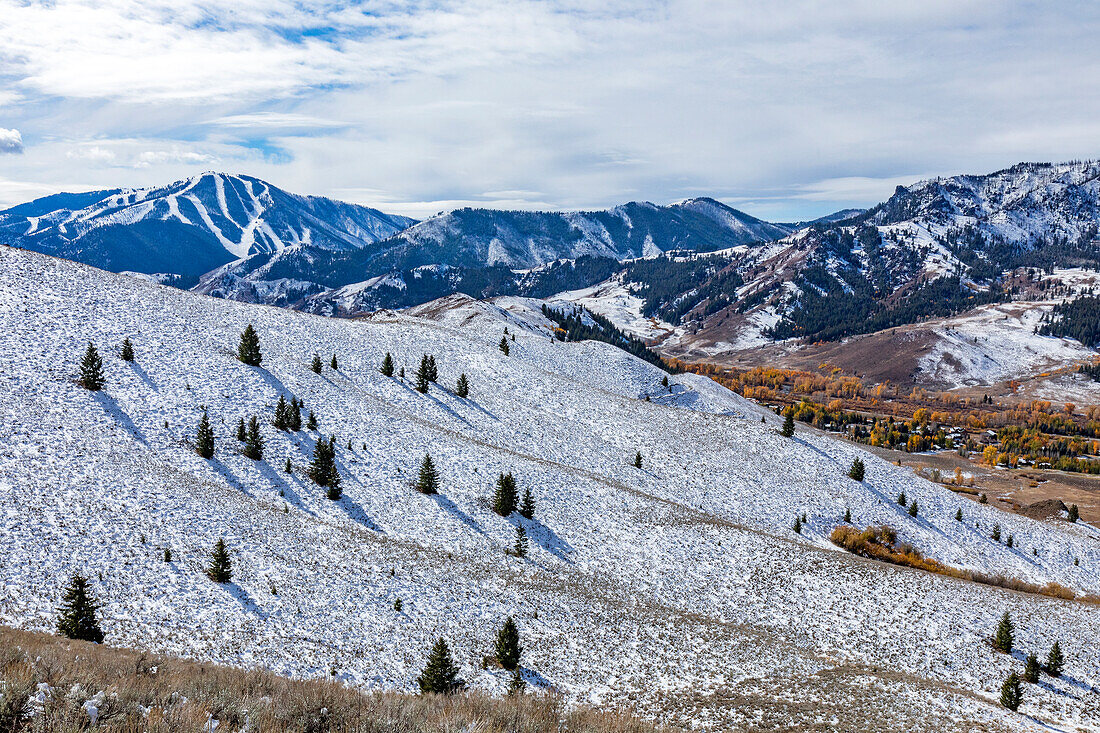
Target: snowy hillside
{"type": "Point", "coordinates": [677, 588]}
{"type": "Point", "coordinates": [191, 226]}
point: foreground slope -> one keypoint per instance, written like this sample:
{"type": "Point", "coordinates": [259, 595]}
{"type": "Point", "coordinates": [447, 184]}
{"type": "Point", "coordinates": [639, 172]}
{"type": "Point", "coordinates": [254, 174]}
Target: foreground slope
{"type": "Point", "coordinates": [678, 587]}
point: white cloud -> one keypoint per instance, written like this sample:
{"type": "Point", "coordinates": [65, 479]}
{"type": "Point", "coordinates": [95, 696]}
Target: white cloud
{"type": "Point", "coordinates": [10, 141]}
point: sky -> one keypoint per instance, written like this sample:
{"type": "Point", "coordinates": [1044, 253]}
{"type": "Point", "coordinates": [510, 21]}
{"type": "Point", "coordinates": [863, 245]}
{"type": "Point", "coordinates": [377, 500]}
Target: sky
{"type": "Point", "coordinates": [786, 110]}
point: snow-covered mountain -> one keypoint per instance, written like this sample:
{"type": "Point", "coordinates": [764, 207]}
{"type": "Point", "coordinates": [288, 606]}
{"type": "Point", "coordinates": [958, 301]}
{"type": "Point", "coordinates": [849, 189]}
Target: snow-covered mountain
{"type": "Point", "coordinates": [193, 226]}
{"type": "Point", "coordinates": [677, 588]}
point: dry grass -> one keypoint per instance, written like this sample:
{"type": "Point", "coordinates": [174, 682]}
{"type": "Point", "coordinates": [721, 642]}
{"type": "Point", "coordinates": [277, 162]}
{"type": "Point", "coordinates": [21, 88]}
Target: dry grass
{"type": "Point", "coordinates": [156, 693]}
{"type": "Point", "coordinates": [879, 543]}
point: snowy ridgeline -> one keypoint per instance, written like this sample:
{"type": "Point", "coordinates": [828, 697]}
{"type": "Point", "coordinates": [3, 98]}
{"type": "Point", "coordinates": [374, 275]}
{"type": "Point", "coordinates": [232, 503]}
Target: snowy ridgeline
{"type": "Point", "coordinates": [678, 586]}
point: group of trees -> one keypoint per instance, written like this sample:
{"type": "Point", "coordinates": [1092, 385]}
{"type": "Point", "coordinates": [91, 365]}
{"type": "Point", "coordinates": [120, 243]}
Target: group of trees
{"type": "Point", "coordinates": [579, 324]}
{"type": "Point", "coordinates": [1004, 639]}
{"type": "Point", "coordinates": [506, 498]}
{"type": "Point", "coordinates": [440, 674]}
{"type": "Point", "coordinates": [322, 469]}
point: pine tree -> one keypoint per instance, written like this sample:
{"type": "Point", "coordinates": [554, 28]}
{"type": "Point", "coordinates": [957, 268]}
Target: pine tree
{"type": "Point", "coordinates": [462, 388]}
{"type": "Point", "coordinates": [959, 514]}
{"type": "Point", "coordinates": [440, 676]}
{"type": "Point", "coordinates": [508, 648]}
{"type": "Point", "coordinates": [1031, 668]}
{"type": "Point", "coordinates": [520, 548]}
{"type": "Point", "coordinates": [857, 470]}
{"type": "Point", "coordinates": [638, 459]}
{"type": "Point", "coordinates": [913, 508]}
{"type": "Point", "coordinates": [506, 497]}
{"type": "Point", "coordinates": [1010, 541]}
{"type": "Point", "coordinates": [387, 365]}
{"type": "Point", "coordinates": [1006, 632]}
{"type": "Point", "coordinates": [294, 416]}
{"type": "Point", "coordinates": [167, 555]}
{"type": "Point", "coordinates": [983, 499]}
{"type": "Point", "coordinates": [315, 365]}
{"type": "Point", "coordinates": [996, 532]}
{"type": "Point", "coordinates": [204, 439]}
{"type": "Point", "coordinates": [221, 567]}
{"type": "Point", "coordinates": [664, 380]}
{"type": "Point", "coordinates": [91, 370]}
{"type": "Point", "coordinates": [797, 526]}
{"type": "Point", "coordinates": [1011, 693]}
{"type": "Point", "coordinates": [401, 373]}
{"type": "Point", "coordinates": [1053, 667]}
{"type": "Point", "coordinates": [527, 509]}
{"type": "Point", "coordinates": [322, 469]}
{"type": "Point", "coordinates": [433, 372]}
{"type": "Point", "coordinates": [428, 480]}
{"type": "Point", "coordinates": [332, 364]}
{"type": "Point", "coordinates": [282, 414]}
{"type": "Point", "coordinates": [788, 426]}
{"type": "Point", "coordinates": [422, 373]}
{"type": "Point", "coordinates": [288, 468]}
{"type": "Point", "coordinates": [504, 345]}
{"type": "Point", "coordinates": [248, 351]}
{"type": "Point", "coordinates": [77, 619]}
{"type": "Point", "coordinates": [311, 423]}
{"type": "Point", "coordinates": [254, 441]}
{"type": "Point", "coordinates": [902, 501]}
{"type": "Point", "coordinates": [848, 516]}
{"type": "Point", "coordinates": [242, 431]}
{"type": "Point", "coordinates": [1074, 513]}
{"type": "Point", "coordinates": [127, 351]}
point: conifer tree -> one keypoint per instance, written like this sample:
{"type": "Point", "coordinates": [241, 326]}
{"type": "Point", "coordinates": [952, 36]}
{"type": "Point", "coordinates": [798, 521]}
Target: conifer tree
{"type": "Point", "coordinates": [315, 365]}
{"type": "Point", "coordinates": [638, 459]}
{"type": "Point", "coordinates": [433, 371]}
{"type": "Point", "coordinates": [959, 514]}
{"type": "Point", "coordinates": [857, 470]}
{"type": "Point", "coordinates": [311, 423]}
{"type": "Point", "coordinates": [287, 467]}
{"type": "Point", "coordinates": [996, 532]}
{"type": "Point", "coordinates": [254, 441]}
{"type": "Point", "coordinates": [506, 498]}
{"type": "Point", "coordinates": [294, 415]}
{"type": "Point", "coordinates": [91, 370]}
{"type": "Point", "coordinates": [1074, 513]}
{"type": "Point", "coordinates": [387, 365]}
{"type": "Point", "coordinates": [167, 555]}
{"type": "Point", "coordinates": [508, 648]}
{"type": "Point", "coordinates": [242, 431]}
{"type": "Point", "coordinates": [332, 364]}
{"type": "Point", "coordinates": [788, 426]}
{"type": "Point", "coordinates": [221, 567]}
{"type": "Point", "coordinates": [204, 439]}
{"type": "Point", "coordinates": [913, 508]}
{"type": "Point", "coordinates": [1011, 693]}
{"type": "Point", "coordinates": [462, 388]}
{"type": "Point", "coordinates": [401, 373]}
{"type": "Point", "coordinates": [1010, 541]}
{"type": "Point", "coordinates": [440, 675]}
{"type": "Point", "coordinates": [427, 481]}
{"type": "Point", "coordinates": [127, 351]}
{"type": "Point", "coordinates": [504, 345]}
{"type": "Point", "coordinates": [1053, 667]}
{"type": "Point", "coordinates": [1031, 668]}
{"type": "Point", "coordinates": [983, 499]}
{"type": "Point", "coordinates": [797, 526]}
{"type": "Point", "coordinates": [422, 373]}
{"type": "Point", "coordinates": [527, 509]}
{"type": "Point", "coordinates": [282, 414]}
{"type": "Point", "coordinates": [322, 469]}
{"type": "Point", "coordinates": [77, 619]}
{"type": "Point", "coordinates": [248, 351]}
{"type": "Point", "coordinates": [901, 498]}
{"type": "Point", "coordinates": [664, 380]}
{"type": "Point", "coordinates": [1006, 632]}
{"type": "Point", "coordinates": [520, 548]}
{"type": "Point", "coordinates": [848, 516]}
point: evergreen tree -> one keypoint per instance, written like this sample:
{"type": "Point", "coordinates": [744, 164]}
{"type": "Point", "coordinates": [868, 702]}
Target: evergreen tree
{"type": "Point", "coordinates": [527, 509]}
{"type": "Point", "coordinates": [440, 676]}
{"type": "Point", "coordinates": [294, 415]}
{"type": "Point", "coordinates": [282, 414]}
{"type": "Point", "coordinates": [387, 365]}
{"type": "Point", "coordinates": [902, 501]}
{"type": "Point", "coordinates": [254, 441]}
{"type": "Point", "coordinates": [959, 514]}
{"type": "Point", "coordinates": [422, 373]}
{"type": "Point", "coordinates": [1074, 514]}
{"type": "Point", "coordinates": [322, 469]}
{"type": "Point", "coordinates": [288, 468]}
{"type": "Point", "coordinates": [311, 423]}
{"type": "Point", "coordinates": [1010, 541]}
{"type": "Point", "coordinates": [221, 567]}
{"type": "Point", "coordinates": [315, 365]}
{"type": "Point", "coordinates": [1011, 693]}
{"type": "Point", "coordinates": [127, 351]}
{"type": "Point", "coordinates": [77, 619]}
{"type": "Point", "coordinates": [433, 372]}
{"type": "Point", "coordinates": [1006, 632]}
{"type": "Point", "coordinates": [428, 480]}
{"type": "Point", "coordinates": [506, 497]}
{"type": "Point", "coordinates": [983, 499]}
{"type": "Point", "coordinates": [797, 526]}
{"type": "Point", "coordinates": [848, 516]}
{"type": "Point", "coordinates": [401, 373]}
{"type": "Point", "coordinates": [242, 431]}
{"type": "Point", "coordinates": [913, 508]}
{"type": "Point", "coordinates": [508, 648]}
{"type": "Point", "coordinates": [204, 439]}
{"type": "Point", "coordinates": [664, 380]}
{"type": "Point", "coordinates": [332, 364]}
{"type": "Point", "coordinates": [1031, 668]}
{"type": "Point", "coordinates": [517, 683]}
{"type": "Point", "coordinates": [167, 555]}
{"type": "Point", "coordinates": [520, 548]}
{"type": "Point", "coordinates": [248, 351]}
{"type": "Point", "coordinates": [91, 370]}
{"type": "Point", "coordinates": [1053, 667]}
{"type": "Point", "coordinates": [996, 532]}
{"type": "Point", "coordinates": [462, 388]}
{"type": "Point", "coordinates": [504, 345]}
{"type": "Point", "coordinates": [638, 459]}
{"type": "Point", "coordinates": [788, 426]}
{"type": "Point", "coordinates": [857, 470]}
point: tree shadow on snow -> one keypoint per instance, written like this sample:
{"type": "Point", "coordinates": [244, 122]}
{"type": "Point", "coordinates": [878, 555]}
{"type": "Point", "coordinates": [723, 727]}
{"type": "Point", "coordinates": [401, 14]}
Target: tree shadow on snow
{"type": "Point", "coordinates": [356, 513]}
{"type": "Point", "coordinates": [272, 381]}
{"type": "Point", "coordinates": [144, 376]}
{"type": "Point", "coordinates": [242, 597]}
{"type": "Point", "coordinates": [462, 516]}
{"type": "Point", "coordinates": [231, 477]}
{"type": "Point", "coordinates": [544, 537]}
{"type": "Point", "coordinates": [280, 482]}
{"type": "Point", "coordinates": [111, 407]}
{"type": "Point", "coordinates": [535, 679]}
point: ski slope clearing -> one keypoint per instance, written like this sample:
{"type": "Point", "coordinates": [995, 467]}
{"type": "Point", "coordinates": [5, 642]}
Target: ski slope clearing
{"type": "Point", "coordinates": [677, 588]}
